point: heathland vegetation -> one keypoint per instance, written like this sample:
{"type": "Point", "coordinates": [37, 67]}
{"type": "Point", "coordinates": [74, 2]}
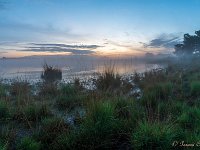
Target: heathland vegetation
{"type": "Point", "coordinates": [165, 111]}
{"type": "Point", "coordinates": [156, 109]}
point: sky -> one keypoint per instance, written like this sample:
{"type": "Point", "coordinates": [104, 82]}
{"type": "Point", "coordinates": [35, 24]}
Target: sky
{"type": "Point", "coordinates": [95, 27]}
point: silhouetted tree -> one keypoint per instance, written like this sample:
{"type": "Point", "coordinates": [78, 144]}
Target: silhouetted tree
{"type": "Point", "coordinates": [190, 45]}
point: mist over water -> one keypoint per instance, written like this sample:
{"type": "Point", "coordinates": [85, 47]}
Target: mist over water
{"type": "Point", "coordinates": [30, 68]}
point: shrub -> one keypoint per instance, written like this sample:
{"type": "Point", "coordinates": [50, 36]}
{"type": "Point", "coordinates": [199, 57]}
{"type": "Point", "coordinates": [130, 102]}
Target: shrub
{"type": "Point", "coordinates": [28, 143]}
{"type": "Point", "coordinates": [51, 74]}
{"type": "Point", "coordinates": [4, 110]}
{"type": "Point", "coordinates": [153, 136]}
{"type": "Point", "coordinates": [195, 88]}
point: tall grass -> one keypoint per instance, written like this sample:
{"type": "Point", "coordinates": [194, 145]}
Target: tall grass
{"type": "Point", "coordinates": [48, 89]}
{"type": "Point", "coordinates": [28, 143]}
{"type": "Point", "coordinates": [195, 88]}
{"type": "Point", "coordinates": [70, 97]}
{"type": "Point", "coordinates": [129, 111]}
{"type": "Point", "coordinates": [190, 119]}
{"type": "Point", "coordinates": [2, 90]}
{"type": "Point", "coordinates": [21, 92]}
{"type": "Point", "coordinates": [51, 73]}
{"type": "Point", "coordinates": [109, 80]}
{"type": "Point", "coordinates": [153, 76]}
{"type": "Point", "coordinates": [112, 119]}
{"type": "Point", "coordinates": [100, 129]}
{"type": "Point", "coordinates": [50, 129]}
{"type": "Point", "coordinates": [153, 136]}
{"type": "Point", "coordinates": [4, 110]}
{"type": "Point", "coordinates": [153, 95]}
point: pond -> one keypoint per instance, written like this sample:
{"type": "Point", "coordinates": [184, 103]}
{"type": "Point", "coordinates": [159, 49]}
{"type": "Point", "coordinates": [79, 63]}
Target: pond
{"type": "Point", "coordinates": [30, 68]}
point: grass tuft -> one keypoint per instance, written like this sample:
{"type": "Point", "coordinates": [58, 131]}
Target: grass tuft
{"type": "Point", "coordinates": [195, 88]}
{"type": "Point", "coordinates": [153, 136]}
{"type": "Point", "coordinates": [51, 73]}
{"type": "Point", "coordinates": [4, 110]}
{"type": "Point", "coordinates": [109, 80]}
{"type": "Point", "coordinates": [28, 143]}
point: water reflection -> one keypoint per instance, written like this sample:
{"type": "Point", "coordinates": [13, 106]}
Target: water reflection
{"type": "Point", "coordinates": [31, 68]}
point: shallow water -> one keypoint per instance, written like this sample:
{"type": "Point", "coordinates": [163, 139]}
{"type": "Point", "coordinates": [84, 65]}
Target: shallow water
{"type": "Point", "coordinates": [30, 68]}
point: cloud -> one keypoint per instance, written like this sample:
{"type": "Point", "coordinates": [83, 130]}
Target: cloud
{"type": "Point", "coordinates": [29, 32]}
{"type": "Point", "coordinates": [52, 48]}
{"type": "Point", "coordinates": [164, 41]}
{"type": "Point", "coordinates": [66, 46]}
{"type": "Point", "coordinates": [2, 52]}
{"type": "Point", "coordinates": [58, 49]}
{"type": "Point", "coordinates": [111, 42]}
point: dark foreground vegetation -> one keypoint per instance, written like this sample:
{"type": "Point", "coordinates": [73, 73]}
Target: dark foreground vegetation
{"type": "Point", "coordinates": [163, 114]}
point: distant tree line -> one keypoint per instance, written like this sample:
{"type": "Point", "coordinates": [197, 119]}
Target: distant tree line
{"type": "Point", "coordinates": [190, 45]}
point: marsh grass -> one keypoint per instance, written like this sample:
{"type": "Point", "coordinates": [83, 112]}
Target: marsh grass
{"type": "Point", "coordinates": [100, 129]}
{"type": "Point", "coordinates": [77, 84]}
{"type": "Point", "coordinates": [28, 143]}
{"type": "Point", "coordinates": [112, 119]}
{"type": "Point", "coordinates": [3, 89]}
{"type": "Point", "coordinates": [190, 119]}
{"type": "Point", "coordinates": [33, 112]}
{"type": "Point", "coordinates": [3, 146]}
{"type": "Point", "coordinates": [109, 80]}
{"type": "Point", "coordinates": [30, 116]}
{"type": "Point", "coordinates": [50, 73]}
{"type": "Point", "coordinates": [70, 97]}
{"type": "Point", "coordinates": [195, 88]}
{"type": "Point", "coordinates": [159, 91]}
{"type": "Point", "coordinates": [20, 92]}
{"type": "Point", "coordinates": [128, 110]}
{"type": "Point", "coordinates": [51, 77]}
{"type": "Point", "coordinates": [153, 95]}
{"type": "Point", "coordinates": [7, 136]}
{"type": "Point", "coordinates": [20, 88]}
{"type": "Point", "coordinates": [153, 136]}
{"type": "Point", "coordinates": [50, 129]}
{"type": "Point", "coordinates": [170, 111]}
{"type": "Point", "coordinates": [4, 110]}
{"type": "Point", "coordinates": [48, 89]}
{"type": "Point", "coordinates": [153, 76]}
